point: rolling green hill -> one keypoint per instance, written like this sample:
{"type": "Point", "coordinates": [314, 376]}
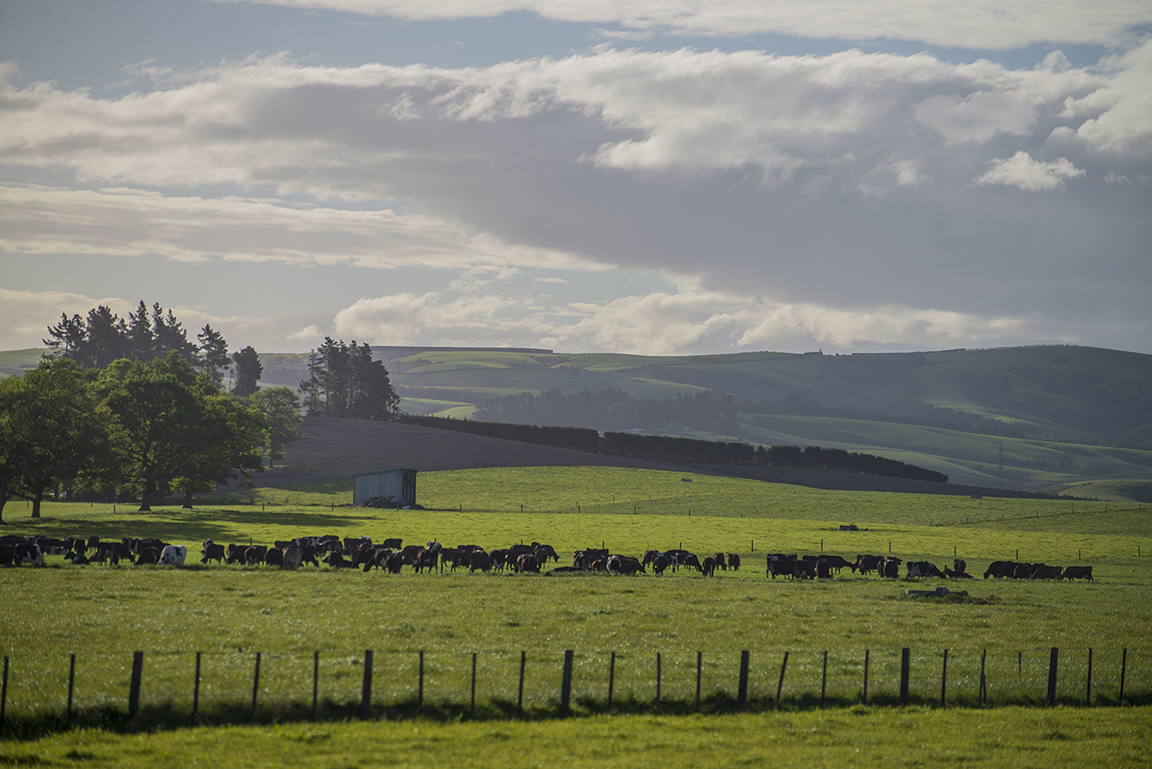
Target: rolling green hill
{"type": "Point", "coordinates": [1066, 419]}
{"type": "Point", "coordinates": [1042, 418]}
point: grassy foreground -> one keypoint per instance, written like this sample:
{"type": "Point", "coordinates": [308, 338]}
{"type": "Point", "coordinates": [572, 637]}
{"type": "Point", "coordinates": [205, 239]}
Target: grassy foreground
{"type": "Point", "coordinates": [102, 614]}
{"type": "Point", "coordinates": [857, 737]}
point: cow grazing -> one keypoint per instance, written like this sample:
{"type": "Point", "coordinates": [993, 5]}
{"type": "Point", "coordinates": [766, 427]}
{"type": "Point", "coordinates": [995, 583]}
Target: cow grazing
{"type": "Point", "coordinates": [336, 560]}
{"type": "Point", "coordinates": [708, 567]}
{"type": "Point", "coordinates": [527, 562]}
{"type": "Point", "coordinates": [866, 564]}
{"type": "Point", "coordinates": [1078, 572]}
{"type": "Point", "coordinates": [1046, 572]}
{"type": "Point", "coordinates": [212, 552]}
{"type": "Point", "coordinates": [734, 561]}
{"type": "Point", "coordinates": [780, 565]}
{"type": "Point", "coordinates": [478, 559]}
{"type": "Point", "coordinates": [149, 555]}
{"type": "Point", "coordinates": [173, 555]}
{"type": "Point", "coordinates": [544, 552]}
{"type": "Point", "coordinates": [293, 556]}
{"type": "Point", "coordinates": [836, 562]}
{"type": "Point", "coordinates": [923, 569]}
{"type": "Point", "coordinates": [890, 568]}
{"type": "Point", "coordinates": [1000, 569]}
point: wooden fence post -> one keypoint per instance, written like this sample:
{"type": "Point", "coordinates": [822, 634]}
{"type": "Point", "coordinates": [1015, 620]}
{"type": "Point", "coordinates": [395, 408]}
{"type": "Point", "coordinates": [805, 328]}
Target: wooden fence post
{"type": "Point", "coordinates": [1123, 670]}
{"type": "Point", "coordinates": [780, 686]}
{"type": "Point", "coordinates": [315, 682]}
{"type": "Point", "coordinates": [520, 694]}
{"type": "Point", "coordinates": [472, 710]}
{"type": "Point", "coordinates": [71, 684]}
{"type": "Point", "coordinates": [611, 679]}
{"type": "Point", "coordinates": [742, 697]}
{"type": "Point", "coordinates": [566, 684]}
{"type": "Point", "coordinates": [944, 680]}
{"type": "Point", "coordinates": [1088, 694]}
{"type": "Point", "coordinates": [255, 683]}
{"type": "Point", "coordinates": [983, 696]}
{"type": "Point", "coordinates": [824, 679]}
{"type": "Point", "coordinates": [1053, 664]}
{"type": "Point", "coordinates": [366, 685]}
{"type": "Point", "coordinates": [134, 687]}
{"type": "Point", "coordinates": [905, 673]}
{"type": "Point", "coordinates": [866, 655]}
{"type": "Point", "coordinates": [196, 688]}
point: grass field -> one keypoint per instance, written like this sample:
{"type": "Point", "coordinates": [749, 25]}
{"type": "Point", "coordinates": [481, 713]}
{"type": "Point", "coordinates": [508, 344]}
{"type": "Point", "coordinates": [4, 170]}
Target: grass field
{"type": "Point", "coordinates": [228, 614]}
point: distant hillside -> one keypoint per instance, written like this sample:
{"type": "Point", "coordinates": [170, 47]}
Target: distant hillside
{"type": "Point", "coordinates": [1032, 417]}
{"type": "Point", "coordinates": [1039, 418]}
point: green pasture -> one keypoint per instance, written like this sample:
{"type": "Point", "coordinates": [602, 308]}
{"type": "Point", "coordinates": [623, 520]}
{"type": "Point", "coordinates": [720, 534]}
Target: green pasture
{"type": "Point", "coordinates": [1020, 738]}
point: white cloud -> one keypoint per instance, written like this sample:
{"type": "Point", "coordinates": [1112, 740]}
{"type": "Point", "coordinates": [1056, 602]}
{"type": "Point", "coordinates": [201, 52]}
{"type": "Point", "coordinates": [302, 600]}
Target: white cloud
{"type": "Point", "coordinates": [973, 24]}
{"type": "Point", "coordinates": [44, 220]}
{"type": "Point", "coordinates": [1022, 171]}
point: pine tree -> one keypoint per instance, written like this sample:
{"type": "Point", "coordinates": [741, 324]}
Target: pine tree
{"type": "Point", "coordinates": [247, 372]}
{"type": "Point", "coordinates": [214, 360]}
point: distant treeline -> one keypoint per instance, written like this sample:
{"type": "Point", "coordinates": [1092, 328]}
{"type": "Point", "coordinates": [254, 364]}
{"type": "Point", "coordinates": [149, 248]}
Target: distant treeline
{"type": "Point", "coordinates": [670, 449]}
{"type": "Point", "coordinates": [612, 409]}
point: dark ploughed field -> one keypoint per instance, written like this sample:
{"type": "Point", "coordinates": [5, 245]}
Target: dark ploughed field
{"type": "Point", "coordinates": [335, 449]}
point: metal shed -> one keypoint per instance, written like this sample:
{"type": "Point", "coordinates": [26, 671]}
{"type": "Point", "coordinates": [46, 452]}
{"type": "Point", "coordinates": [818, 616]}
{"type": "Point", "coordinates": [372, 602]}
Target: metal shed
{"type": "Point", "coordinates": [399, 483]}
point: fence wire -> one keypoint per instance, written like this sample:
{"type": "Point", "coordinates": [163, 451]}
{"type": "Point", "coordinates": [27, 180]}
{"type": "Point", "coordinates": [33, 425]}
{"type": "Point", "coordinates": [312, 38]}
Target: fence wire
{"type": "Point", "coordinates": [239, 686]}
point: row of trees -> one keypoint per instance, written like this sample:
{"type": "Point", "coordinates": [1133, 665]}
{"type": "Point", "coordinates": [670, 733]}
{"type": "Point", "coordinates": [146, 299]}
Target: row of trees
{"type": "Point", "coordinates": [674, 449]}
{"type": "Point", "coordinates": [103, 337]}
{"type": "Point", "coordinates": [612, 409]}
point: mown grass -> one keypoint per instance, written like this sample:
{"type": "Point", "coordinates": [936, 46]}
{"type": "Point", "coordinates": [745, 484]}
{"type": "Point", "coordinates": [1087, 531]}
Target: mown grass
{"type": "Point", "coordinates": [1015, 737]}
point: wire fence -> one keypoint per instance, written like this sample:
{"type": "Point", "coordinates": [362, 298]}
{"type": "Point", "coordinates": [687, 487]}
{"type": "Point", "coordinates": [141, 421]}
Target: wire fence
{"type": "Point", "coordinates": [41, 692]}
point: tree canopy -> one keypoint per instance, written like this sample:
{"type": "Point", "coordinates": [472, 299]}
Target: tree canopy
{"type": "Point", "coordinates": [344, 381]}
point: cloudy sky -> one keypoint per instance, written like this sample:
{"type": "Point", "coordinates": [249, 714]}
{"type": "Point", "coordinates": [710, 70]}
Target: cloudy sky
{"type": "Point", "coordinates": [646, 176]}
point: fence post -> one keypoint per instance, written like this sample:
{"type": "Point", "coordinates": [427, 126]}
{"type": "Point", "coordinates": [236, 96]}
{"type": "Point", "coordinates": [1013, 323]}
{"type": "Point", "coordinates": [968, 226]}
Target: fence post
{"type": "Point", "coordinates": [658, 671]}
{"type": "Point", "coordinates": [699, 669]}
{"type": "Point", "coordinates": [983, 696]}
{"type": "Point", "coordinates": [1088, 695]}
{"type": "Point", "coordinates": [366, 686]}
{"type": "Point", "coordinates": [611, 679]}
{"type": "Point", "coordinates": [824, 679]}
{"type": "Point", "coordinates": [196, 688]}
{"type": "Point", "coordinates": [71, 684]}
{"type": "Point", "coordinates": [1123, 670]}
{"type": "Point", "coordinates": [315, 682]}
{"type": "Point", "coordinates": [420, 688]}
{"type": "Point", "coordinates": [566, 684]}
{"type": "Point", "coordinates": [905, 673]}
{"type": "Point", "coordinates": [743, 694]}
{"type": "Point", "coordinates": [4, 693]}
{"type": "Point", "coordinates": [255, 683]}
{"type": "Point", "coordinates": [473, 708]}
{"type": "Point", "coordinates": [134, 688]}
{"type": "Point", "coordinates": [944, 680]}
{"type": "Point", "coordinates": [866, 655]}
{"type": "Point", "coordinates": [1053, 663]}
{"type": "Point", "coordinates": [520, 694]}
{"type": "Point", "coordinates": [780, 686]}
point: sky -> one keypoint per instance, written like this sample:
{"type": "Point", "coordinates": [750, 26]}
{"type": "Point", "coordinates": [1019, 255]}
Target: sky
{"type": "Point", "coordinates": [660, 177]}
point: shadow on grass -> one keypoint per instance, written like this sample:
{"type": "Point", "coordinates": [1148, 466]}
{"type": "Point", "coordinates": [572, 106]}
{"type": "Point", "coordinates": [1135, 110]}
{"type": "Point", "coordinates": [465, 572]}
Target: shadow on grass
{"type": "Point", "coordinates": [166, 716]}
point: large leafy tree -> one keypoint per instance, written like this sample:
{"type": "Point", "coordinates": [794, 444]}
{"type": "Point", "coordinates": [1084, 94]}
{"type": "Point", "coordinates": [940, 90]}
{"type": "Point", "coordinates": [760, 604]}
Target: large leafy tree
{"type": "Point", "coordinates": [246, 372]}
{"type": "Point", "coordinates": [51, 429]}
{"type": "Point", "coordinates": [174, 429]}
{"type": "Point", "coordinates": [227, 443]}
{"type": "Point", "coordinates": [344, 381]}
{"type": "Point", "coordinates": [281, 409]}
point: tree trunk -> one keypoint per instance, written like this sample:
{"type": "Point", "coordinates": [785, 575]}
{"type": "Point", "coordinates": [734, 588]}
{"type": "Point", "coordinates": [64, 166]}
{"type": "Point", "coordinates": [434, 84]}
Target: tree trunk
{"type": "Point", "coordinates": [3, 501]}
{"type": "Point", "coordinates": [36, 509]}
{"type": "Point", "coordinates": [187, 500]}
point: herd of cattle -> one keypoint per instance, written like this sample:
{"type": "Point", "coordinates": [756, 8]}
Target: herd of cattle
{"type": "Point", "coordinates": [391, 555]}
